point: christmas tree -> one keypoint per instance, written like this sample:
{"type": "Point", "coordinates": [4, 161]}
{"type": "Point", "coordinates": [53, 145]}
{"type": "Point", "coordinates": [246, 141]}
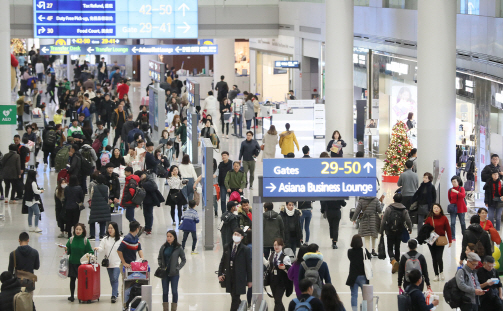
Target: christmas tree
{"type": "Point", "coordinates": [399, 147]}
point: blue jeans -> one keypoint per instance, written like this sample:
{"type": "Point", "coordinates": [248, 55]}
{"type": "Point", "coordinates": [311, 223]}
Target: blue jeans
{"type": "Point", "coordinates": [461, 217]}
{"type": "Point", "coordinates": [495, 211]}
{"type": "Point", "coordinates": [215, 204]}
{"type": "Point", "coordinates": [148, 213]}
{"type": "Point", "coordinates": [305, 219]}
{"type": "Point", "coordinates": [223, 198]}
{"type": "Point", "coordinates": [188, 191]}
{"type": "Point", "coordinates": [248, 124]}
{"type": "Point", "coordinates": [174, 288]}
{"type": "Point", "coordinates": [31, 211]}
{"type": "Point", "coordinates": [130, 213]}
{"type": "Point", "coordinates": [113, 274]}
{"type": "Point", "coordinates": [360, 281]}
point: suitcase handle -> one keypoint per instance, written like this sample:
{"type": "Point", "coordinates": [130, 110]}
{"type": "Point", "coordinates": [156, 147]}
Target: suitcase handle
{"type": "Point", "coordinates": [86, 280]}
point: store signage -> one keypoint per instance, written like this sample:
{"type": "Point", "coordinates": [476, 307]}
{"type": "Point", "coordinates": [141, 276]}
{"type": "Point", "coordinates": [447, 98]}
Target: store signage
{"type": "Point", "coordinates": [156, 70]}
{"type": "Point", "coordinates": [129, 49]}
{"type": "Point", "coordinates": [287, 64]}
{"type": "Point", "coordinates": [8, 114]}
{"type": "Point", "coordinates": [96, 41]}
{"type": "Point", "coordinates": [115, 18]}
{"type": "Point", "coordinates": [400, 68]}
{"type": "Point", "coordinates": [194, 94]}
{"type": "Point", "coordinates": [322, 168]}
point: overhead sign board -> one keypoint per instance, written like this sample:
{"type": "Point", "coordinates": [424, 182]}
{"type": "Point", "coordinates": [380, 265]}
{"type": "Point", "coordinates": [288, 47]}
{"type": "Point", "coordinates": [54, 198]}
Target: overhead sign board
{"type": "Point", "coordinates": [325, 177]}
{"type": "Point", "coordinates": [156, 70]}
{"type": "Point", "coordinates": [287, 64]}
{"type": "Point", "coordinates": [115, 18]}
{"type": "Point", "coordinates": [94, 41]}
{"type": "Point", "coordinates": [129, 49]}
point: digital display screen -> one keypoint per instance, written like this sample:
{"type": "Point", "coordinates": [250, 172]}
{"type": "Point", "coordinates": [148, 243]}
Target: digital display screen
{"type": "Point", "coordinates": [115, 18]}
{"type": "Point", "coordinates": [156, 70]}
{"type": "Point", "coordinates": [287, 64]}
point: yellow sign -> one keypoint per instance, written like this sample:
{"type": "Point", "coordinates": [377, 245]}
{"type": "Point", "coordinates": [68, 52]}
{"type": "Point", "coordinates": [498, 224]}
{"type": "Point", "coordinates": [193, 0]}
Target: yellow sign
{"type": "Point", "coordinates": [60, 42]}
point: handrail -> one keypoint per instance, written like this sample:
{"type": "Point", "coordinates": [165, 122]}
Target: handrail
{"type": "Point", "coordinates": [263, 306]}
{"type": "Point", "coordinates": [243, 306]}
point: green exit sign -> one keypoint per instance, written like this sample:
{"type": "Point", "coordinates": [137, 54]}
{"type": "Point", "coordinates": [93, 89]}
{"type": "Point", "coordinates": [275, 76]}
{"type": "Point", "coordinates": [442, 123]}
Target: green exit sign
{"type": "Point", "coordinates": [8, 114]}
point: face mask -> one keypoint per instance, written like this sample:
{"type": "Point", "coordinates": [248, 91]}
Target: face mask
{"type": "Point", "coordinates": [236, 239]}
{"type": "Point", "coordinates": [63, 186]}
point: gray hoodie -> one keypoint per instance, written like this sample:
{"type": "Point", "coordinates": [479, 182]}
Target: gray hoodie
{"type": "Point", "coordinates": [465, 283]}
{"type": "Point", "coordinates": [409, 183]}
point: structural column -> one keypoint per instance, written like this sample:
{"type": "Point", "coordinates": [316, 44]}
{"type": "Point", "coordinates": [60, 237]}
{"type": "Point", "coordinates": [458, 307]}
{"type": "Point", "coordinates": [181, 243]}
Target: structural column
{"type": "Point", "coordinates": [339, 71]}
{"type": "Point", "coordinates": [5, 67]}
{"type": "Point", "coordinates": [223, 63]}
{"type": "Point", "coordinates": [144, 78]}
{"type": "Point", "coordinates": [296, 73]}
{"type": "Point", "coordinates": [436, 115]}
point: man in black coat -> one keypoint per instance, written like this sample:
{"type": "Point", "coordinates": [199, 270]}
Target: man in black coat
{"type": "Point", "coordinates": [235, 269]}
{"type": "Point", "coordinates": [486, 172]}
{"type": "Point", "coordinates": [473, 234]}
{"type": "Point", "coordinates": [126, 128]}
{"type": "Point", "coordinates": [222, 89]}
{"type": "Point", "coordinates": [74, 161]}
{"type": "Point", "coordinates": [223, 168]}
{"type": "Point", "coordinates": [113, 184]}
{"type": "Point", "coordinates": [230, 223]}
{"type": "Point", "coordinates": [150, 161]}
{"type": "Point", "coordinates": [153, 198]}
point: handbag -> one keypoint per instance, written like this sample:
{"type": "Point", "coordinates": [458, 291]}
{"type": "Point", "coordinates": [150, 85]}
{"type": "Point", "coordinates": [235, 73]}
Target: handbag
{"type": "Point", "coordinates": [161, 272]}
{"type": "Point", "coordinates": [452, 208]}
{"type": "Point", "coordinates": [175, 196]}
{"type": "Point", "coordinates": [217, 189]}
{"type": "Point", "coordinates": [106, 262]}
{"type": "Point", "coordinates": [441, 240]}
{"type": "Point", "coordinates": [367, 265]}
{"type": "Point", "coordinates": [81, 206]}
{"type": "Point", "coordinates": [413, 206]}
{"type": "Point", "coordinates": [381, 249]}
{"type": "Point", "coordinates": [139, 266]}
{"type": "Point", "coordinates": [197, 197]}
{"type": "Point", "coordinates": [405, 236]}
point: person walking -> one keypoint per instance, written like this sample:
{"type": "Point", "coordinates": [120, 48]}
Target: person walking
{"type": "Point", "coordinates": [306, 209]}
{"type": "Point", "coordinates": [484, 222]}
{"type": "Point", "coordinates": [235, 269]}
{"type": "Point", "coordinates": [11, 171]}
{"type": "Point", "coordinates": [171, 259]}
{"type": "Point", "coordinates": [245, 214]}
{"type": "Point", "coordinates": [277, 267]}
{"type": "Point", "coordinates": [235, 180]}
{"type": "Point", "coordinates": [314, 259]}
{"type": "Point", "coordinates": [412, 156]}
{"type": "Point", "coordinates": [249, 112]}
{"type": "Point", "coordinates": [109, 246]}
{"type": "Point", "coordinates": [24, 260]}
{"type": "Point", "coordinates": [249, 151]}
{"type": "Point", "coordinates": [417, 298]}
{"type": "Point", "coordinates": [492, 299]}
{"type": "Point", "coordinates": [457, 196]}
{"type": "Point", "coordinates": [32, 203]}
{"type": "Point", "coordinates": [190, 219]}
{"type": "Point", "coordinates": [440, 223]}
{"type": "Point", "coordinates": [335, 145]}
{"type": "Point", "coordinates": [425, 196]}
{"type": "Point", "coordinates": [410, 261]}
{"type": "Point", "coordinates": [175, 198]}
{"type": "Point", "coordinates": [468, 283]}
{"type": "Point", "coordinates": [356, 278]}
{"type": "Point", "coordinates": [99, 206]}
{"type": "Point", "coordinates": [286, 141]}
{"type": "Point", "coordinates": [131, 183]}
{"type": "Point", "coordinates": [331, 210]}
{"type": "Point", "coordinates": [223, 168]}
{"type": "Point", "coordinates": [59, 197]}
{"type": "Point", "coordinates": [293, 272]}
{"type": "Point", "coordinates": [153, 198]}
{"type": "Point", "coordinates": [488, 169]}
{"type": "Point", "coordinates": [225, 107]}
{"type": "Point", "coordinates": [493, 198]}
{"type": "Point", "coordinates": [473, 235]}
{"type": "Point", "coordinates": [11, 286]}
{"type": "Point", "coordinates": [269, 143]}
{"type": "Point", "coordinates": [330, 299]}
{"type": "Point", "coordinates": [409, 184]}
{"type": "Point", "coordinates": [229, 223]}
{"type": "Point", "coordinates": [73, 200]}
{"type": "Point", "coordinates": [211, 106]}
{"type": "Point", "coordinates": [187, 170]}
{"type": "Point", "coordinates": [273, 228]}
{"type": "Point", "coordinates": [313, 303]}
{"type": "Point", "coordinates": [368, 210]}
{"type": "Point", "coordinates": [395, 216]}
{"type": "Point", "coordinates": [291, 222]}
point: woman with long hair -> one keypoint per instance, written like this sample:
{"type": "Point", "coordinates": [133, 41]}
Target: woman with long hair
{"type": "Point", "coordinates": [38, 138]}
{"type": "Point", "coordinates": [175, 124]}
{"type": "Point", "coordinates": [208, 129]}
{"type": "Point", "coordinates": [293, 272]}
{"type": "Point", "coordinates": [109, 246]}
{"type": "Point", "coordinates": [175, 197]}
{"type": "Point", "coordinates": [330, 299]}
{"type": "Point", "coordinates": [59, 196]}
{"type": "Point", "coordinates": [356, 277]}
{"type": "Point", "coordinates": [485, 223]}
{"type": "Point", "coordinates": [278, 265]}
{"type": "Point", "coordinates": [440, 223]}
{"type": "Point", "coordinates": [31, 200]}
{"type": "Point", "coordinates": [187, 170]}
{"type": "Point", "coordinates": [456, 195]}
{"type": "Point", "coordinates": [291, 220]}
{"type": "Point", "coordinates": [172, 259]}
{"type": "Point", "coordinates": [117, 159]}
{"type": "Point", "coordinates": [270, 141]}
{"type": "Point", "coordinates": [425, 197]}
{"type": "Point", "coordinates": [249, 113]}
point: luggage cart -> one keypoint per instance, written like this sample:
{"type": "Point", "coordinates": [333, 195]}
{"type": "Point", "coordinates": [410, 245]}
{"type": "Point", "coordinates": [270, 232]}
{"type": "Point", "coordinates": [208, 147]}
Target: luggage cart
{"type": "Point", "coordinates": [133, 277]}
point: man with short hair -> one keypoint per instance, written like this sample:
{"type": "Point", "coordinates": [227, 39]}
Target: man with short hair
{"type": "Point", "coordinates": [235, 180]}
{"type": "Point", "coordinates": [89, 84]}
{"type": "Point", "coordinates": [492, 300]}
{"type": "Point", "coordinates": [176, 85]}
{"type": "Point", "coordinates": [404, 275]}
{"type": "Point", "coordinates": [249, 151]}
{"type": "Point", "coordinates": [291, 95]}
{"type": "Point", "coordinates": [25, 257]}
{"type": "Point", "coordinates": [233, 93]}
{"type": "Point", "coordinates": [305, 151]}
{"type": "Point", "coordinates": [409, 182]}
{"type": "Point", "coordinates": [106, 110]}
{"type": "Point", "coordinates": [74, 162]}
{"type": "Point", "coordinates": [128, 126]}
{"type": "Point", "coordinates": [223, 168]}
{"type": "Point", "coordinates": [23, 153]}
{"type": "Point", "coordinates": [75, 128]}
{"type": "Point", "coordinates": [116, 77]}
{"type": "Point", "coordinates": [306, 288]}
{"type": "Point", "coordinates": [150, 161]}
{"type": "Point", "coordinates": [273, 228]}
{"type": "Point", "coordinates": [129, 191]}
{"type": "Point", "coordinates": [230, 222]}
{"type": "Point", "coordinates": [468, 282]}
{"type": "Point", "coordinates": [414, 290]}
{"type": "Point", "coordinates": [245, 214]}
{"type": "Point", "coordinates": [222, 89]}
{"type": "Point", "coordinates": [102, 70]}
{"type": "Point", "coordinates": [486, 172]}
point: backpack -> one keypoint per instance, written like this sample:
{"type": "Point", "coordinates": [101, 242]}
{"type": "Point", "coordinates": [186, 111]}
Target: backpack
{"type": "Point", "coordinates": [27, 158]}
{"type": "Point", "coordinates": [404, 300]}
{"type": "Point", "coordinates": [395, 220]}
{"type": "Point", "coordinates": [452, 294]}
{"type": "Point", "coordinates": [313, 275]}
{"type": "Point", "coordinates": [92, 107]}
{"type": "Point", "coordinates": [62, 158]}
{"type": "Point", "coordinates": [479, 247]}
{"type": "Point", "coordinates": [86, 166]}
{"type": "Point", "coordinates": [303, 305]}
{"type": "Point", "coordinates": [105, 159]}
{"type": "Point", "coordinates": [139, 196]}
{"type": "Point", "coordinates": [97, 145]}
{"type": "Point", "coordinates": [23, 301]}
{"type": "Point", "coordinates": [412, 263]}
{"type": "Point", "coordinates": [50, 138]}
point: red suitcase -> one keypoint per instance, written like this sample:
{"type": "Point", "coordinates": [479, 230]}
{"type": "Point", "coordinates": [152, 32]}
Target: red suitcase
{"type": "Point", "coordinates": [89, 283]}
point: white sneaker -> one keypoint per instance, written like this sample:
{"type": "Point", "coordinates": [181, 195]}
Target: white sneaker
{"type": "Point", "coordinates": [31, 229]}
{"type": "Point", "coordinates": [442, 277]}
{"type": "Point", "coordinates": [37, 229]}
{"type": "Point", "coordinates": [435, 279]}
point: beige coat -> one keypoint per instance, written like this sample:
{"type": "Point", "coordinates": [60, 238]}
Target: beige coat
{"type": "Point", "coordinates": [270, 142]}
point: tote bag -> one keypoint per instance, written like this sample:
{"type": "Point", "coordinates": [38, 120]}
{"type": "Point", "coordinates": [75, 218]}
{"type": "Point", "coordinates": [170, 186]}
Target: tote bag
{"type": "Point", "coordinates": [368, 265]}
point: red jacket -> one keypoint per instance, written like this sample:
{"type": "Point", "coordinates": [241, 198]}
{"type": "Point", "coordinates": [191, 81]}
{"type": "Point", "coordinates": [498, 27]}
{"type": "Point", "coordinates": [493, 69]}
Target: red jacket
{"type": "Point", "coordinates": [122, 90]}
{"type": "Point", "coordinates": [129, 190]}
{"type": "Point", "coordinates": [441, 226]}
{"type": "Point", "coordinates": [458, 199]}
{"type": "Point", "coordinates": [486, 225]}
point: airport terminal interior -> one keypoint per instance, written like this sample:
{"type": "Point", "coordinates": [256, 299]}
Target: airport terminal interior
{"type": "Point", "coordinates": [328, 103]}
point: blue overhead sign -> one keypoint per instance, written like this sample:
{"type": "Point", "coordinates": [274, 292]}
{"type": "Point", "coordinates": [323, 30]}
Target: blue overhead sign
{"type": "Point", "coordinates": [318, 187]}
{"type": "Point", "coordinates": [115, 18]}
{"type": "Point", "coordinates": [129, 49]}
{"type": "Point", "coordinates": [323, 167]}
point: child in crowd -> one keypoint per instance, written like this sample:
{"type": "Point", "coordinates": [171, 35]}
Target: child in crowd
{"type": "Point", "coordinates": [190, 219]}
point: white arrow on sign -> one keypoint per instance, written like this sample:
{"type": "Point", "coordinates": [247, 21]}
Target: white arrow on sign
{"type": "Point", "coordinates": [177, 49]}
{"type": "Point", "coordinates": [272, 187]}
{"type": "Point", "coordinates": [41, 5]}
{"type": "Point", "coordinates": [41, 18]}
{"type": "Point", "coordinates": [41, 30]}
{"type": "Point", "coordinates": [134, 49]}
{"type": "Point", "coordinates": [44, 49]}
{"type": "Point", "coordinates": [184, 7]}
{"type": "Point", "coordinates": [74, 40]}
{"type": "Point", "coordinates": [186, 27]}
{"type": "Point", "coordinates": [90, 50]}
{"type": "Point", "coordinates": [368, 166]}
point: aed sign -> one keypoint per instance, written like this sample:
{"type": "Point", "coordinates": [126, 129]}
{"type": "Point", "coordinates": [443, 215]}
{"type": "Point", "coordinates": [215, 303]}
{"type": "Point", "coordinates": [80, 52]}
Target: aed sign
{"type": "Point", "coordinates": [8, 114]}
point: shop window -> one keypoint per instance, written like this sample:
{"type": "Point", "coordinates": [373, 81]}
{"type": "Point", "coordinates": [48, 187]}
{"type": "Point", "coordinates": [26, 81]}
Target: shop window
{"type": "Point", "coordinates": [400, 4]}
{"type": "Point", "coordinates": [470, 7]}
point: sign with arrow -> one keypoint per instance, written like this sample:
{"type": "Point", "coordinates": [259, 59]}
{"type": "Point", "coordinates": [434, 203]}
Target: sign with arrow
{"type": "Point", "coordinates": [323, 167]}
{"type": "Point", "coordinates": [318, 187]}
{"type": "Point", "coordinates": [129, 49]}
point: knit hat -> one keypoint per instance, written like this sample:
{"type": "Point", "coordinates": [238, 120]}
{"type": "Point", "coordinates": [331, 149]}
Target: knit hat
{"type": "Point", "coordinates": [472, 257]}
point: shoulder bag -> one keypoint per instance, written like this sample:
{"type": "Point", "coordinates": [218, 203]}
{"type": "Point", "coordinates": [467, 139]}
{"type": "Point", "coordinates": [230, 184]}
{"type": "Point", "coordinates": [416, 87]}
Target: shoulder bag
{"type": "Point", "coordinates": [367, 265]}
{"type": "Point", "coordinates": [442, 239]}
{"type": "Point", "coordinates": [452, 208]}
{"type": "Point", "coordinates": [106, 261]}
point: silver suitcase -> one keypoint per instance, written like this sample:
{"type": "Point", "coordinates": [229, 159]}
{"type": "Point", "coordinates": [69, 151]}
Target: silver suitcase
{"type": "Point", "coordinates": [117, 217]}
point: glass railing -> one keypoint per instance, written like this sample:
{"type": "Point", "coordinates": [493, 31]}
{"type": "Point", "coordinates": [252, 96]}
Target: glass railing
{"type": "Point", "coordinates": [400, 4]}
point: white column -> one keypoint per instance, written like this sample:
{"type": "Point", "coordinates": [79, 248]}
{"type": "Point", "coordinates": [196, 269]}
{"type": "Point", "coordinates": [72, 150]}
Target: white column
{"type": "Point", "coordinates": [297, 79]}
{"type": "Point", "coordinates": [144, 78]}
{"type": "Point", "coordinates": [436, 116]}
{"type": "Point", "coordinates": [5, 67]}
{"type": "Point", "coordinates": [339, 71]}
{"type": "Point", "coordinates": [223, 63]}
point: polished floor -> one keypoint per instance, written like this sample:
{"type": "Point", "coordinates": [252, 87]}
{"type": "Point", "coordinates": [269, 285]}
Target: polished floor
{"type": "Point", "coordinates": [198, 287]}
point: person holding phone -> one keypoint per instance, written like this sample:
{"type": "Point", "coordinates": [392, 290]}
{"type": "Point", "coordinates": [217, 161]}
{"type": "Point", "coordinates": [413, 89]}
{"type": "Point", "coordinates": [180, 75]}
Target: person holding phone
{"type": "Point", "coordinates": [175, 198]}
{"type": "Point", "coordinates": [277, 266]}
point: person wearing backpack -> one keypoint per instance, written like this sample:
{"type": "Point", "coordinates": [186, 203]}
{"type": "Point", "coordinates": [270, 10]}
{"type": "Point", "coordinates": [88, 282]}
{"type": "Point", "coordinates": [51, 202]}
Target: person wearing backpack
{"type": "Point", "coordinates": [440, 223]}
{"type": "Point", "coordinates": [413, 299]}
{"type": "Point", "coordinates": [129, 191]}
{"type": "Point", "coordinates": [395, 216]}
{"type": "Point", "coordinates": [412, 260]}
{"type": "Point", "coordinates": [100, 209]}
{"type": "Point", "coordinates": [49, 144]}
{"type": "Point", "coordinates": [315, 269]}
{"type": "Point", "coordinates": [467, 282]}
{"type": "Point", "coordinates": [273, 227]}
{"type": "Point", "coordinates": [74, 162]}
{"type": "Point", "coordinates": [306, 301]}
{"type": "Point", "coordinates": [356, 277]}
{"type": "Point", "coordinates": [476, 235]}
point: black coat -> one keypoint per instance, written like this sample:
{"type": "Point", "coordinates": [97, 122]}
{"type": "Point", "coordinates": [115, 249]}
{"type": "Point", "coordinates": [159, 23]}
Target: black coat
{"type": "Point", "coordinates": [27, 259]}
{"type": "Point", "coordinates": [73, 196]}
{"type": "Point", "coordinates": [242, 272]}
{"type": "Point", "coordinates": [356, 266]}
{"type": "Point", "coordinates": [332, 207]}
{"type": "Point", "coordinates": [431, 194]}
{"type": "Point", "coordinates": [75, 164]}
{"type": "Point", "coordinates": [223, 169]}
{"type": "Point", "coordinates": [333, 154]}
{"type": "Point", "coordinates": [114, 185]}
{"type": "Point", "coordinates": [489, 192]}
{"type": "Point", "coordinates": [231, 223]}
{"type": "Point", "coordinates": [100, 209]}
{"type": "Point", "coordinates": [11, 165]}
{"type": "Point", "coordinates": [486, 172]}
{"type": "Point", "coordinates": [281, 279]}
{"type": "Point", "coordinates": [9, 289]}
{"type": "Point", "coordinates": [472, 234]}
{"type": "Point", "coordinates": [154, 196]}
{"type": "Point", "coordinates": [292, 239]}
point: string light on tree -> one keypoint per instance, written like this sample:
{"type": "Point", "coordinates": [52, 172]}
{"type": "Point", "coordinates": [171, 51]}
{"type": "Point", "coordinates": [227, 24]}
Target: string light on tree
{"type": "Point", "coordinates": [399, 147]}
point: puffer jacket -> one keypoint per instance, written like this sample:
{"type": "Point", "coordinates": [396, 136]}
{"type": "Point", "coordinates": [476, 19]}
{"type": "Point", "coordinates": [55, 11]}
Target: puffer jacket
{"type": "Point", "coordinates": [154, 196]}
{"type": "Point", "coordinates": [9, 289]}
{"type": "Point", "coordinates": [473, 234]}
{"type": "Point", "coordinates": [286, 141]}
{"type": "Point", "coordinates": [292, 238]}
{"type": "Point", "coordinates": [370, 221]}
{"type": "Point", "coordinates": [100, 209]}
{"type": "Point", "coordinates": [129, 190]}
{"type": "Point", "coordinates": [273, 228]}
{"type": "Point", "coordinates": [11, 165]}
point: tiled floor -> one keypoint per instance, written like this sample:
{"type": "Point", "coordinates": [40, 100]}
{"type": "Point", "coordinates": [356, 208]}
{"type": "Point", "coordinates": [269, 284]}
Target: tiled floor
{"type": "Point", "coordinates": [198, 287]}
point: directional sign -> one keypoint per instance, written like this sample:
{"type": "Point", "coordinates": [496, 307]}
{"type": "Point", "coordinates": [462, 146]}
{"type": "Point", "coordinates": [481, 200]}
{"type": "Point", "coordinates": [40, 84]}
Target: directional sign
{"type": "Point", "coordinates": [318, 187]}
{"type": "Point", "coordinates": [323, 168]}
{"type": "Point", "coordinates": [287, 64]}
{"type": "Point", "coordinates": [129, 49]}
{"type": "Point", "coordinates": [115, 18]}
